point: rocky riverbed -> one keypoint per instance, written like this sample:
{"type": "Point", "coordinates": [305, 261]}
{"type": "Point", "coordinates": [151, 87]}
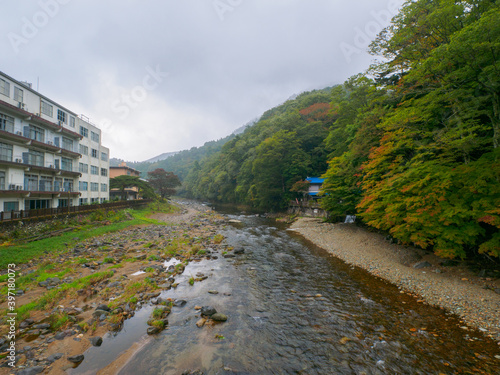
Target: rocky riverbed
{"type": "Point", "coordinates": [474, 298]}
{"type": "Point", "coordinates": [123, 271]}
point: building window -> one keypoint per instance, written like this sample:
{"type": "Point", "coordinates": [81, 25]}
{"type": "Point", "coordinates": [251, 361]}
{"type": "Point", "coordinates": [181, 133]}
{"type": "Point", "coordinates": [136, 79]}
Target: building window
{"type": "Point", "coordinates": [104, 156]}
{"type": "Point", "coordinates": [104, 188]}
{"type": "Point", "coordinates": [58, 184]}
{"type": "Point", "coordinates": [83, 201]}
{"type": "Point", "coordinates": [47, 109]}
{"type": "Point", "coordinates": [45, 183]}
{"type": "Point", "coordinates": [6, 123]}
{"type": "Point", "coordinates": [66, 164]}
{"type": "Point", "coordinates": [103, 200]}
{"type": "Point", "coordinates": [84, 131]}
{"type": "Point", "coordinates": [104, 172]}
{"type": "Point", "coordinates": [71, 121]}
{"type": "Point", "coordinates": [94, 136]}
{"type": "Point", "coordinates": [18, 94]}
{"type": "Point", "coordinates": [5, 152]}
{"type": "Point", "coordinates": [94, 186]}
{"type": "Point", "coordinates": [67, 144]}
{"type": "Point", "coordinates": [34, 158]}
{"type": "Point", "coordinates": [36, 204]}
{"type": "Point", "coordinates": [83, 186]}
{"type": "Point", "coordinates": [2, 180]}
{"type": "Point", "coordinates": [94, 200]}
{"type": "Point", "coordinates": [35, 133]}
{"type": "Point", "coordinates": [61, 116]}
{"type": "Point", "coordinates": [94, 153]}
{"type": "Point", "coordinates": [30, 182]}
{"type": "Point", "coordinates": [83, 168]}
{"type": "Point", "coordinates": [68, 185]}
{"type": "Point", "coordinates": [84, 150]}
{"type": "Point", "coordinates": [4, 87]}
{"type": "Point", "coordinates": [10, 206]}
{"type": "Point", "coordinates": [94, 170]}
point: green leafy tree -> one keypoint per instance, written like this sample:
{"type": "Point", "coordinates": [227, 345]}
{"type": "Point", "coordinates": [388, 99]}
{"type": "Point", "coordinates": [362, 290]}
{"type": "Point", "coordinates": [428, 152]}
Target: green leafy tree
{"type": "Point", "coordinates": [433, 179]}
{"type": "Point", "coordinates": [164, 182]}
{"type": "Point", "coordinates": [123, 182]}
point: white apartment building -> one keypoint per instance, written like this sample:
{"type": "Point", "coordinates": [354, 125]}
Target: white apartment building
{"type": "Point", "coordinates": [49, 157]}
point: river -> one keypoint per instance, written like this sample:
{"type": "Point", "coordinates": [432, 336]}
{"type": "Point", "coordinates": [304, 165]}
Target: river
{"type": "Point", "coordinates": [293, 309]}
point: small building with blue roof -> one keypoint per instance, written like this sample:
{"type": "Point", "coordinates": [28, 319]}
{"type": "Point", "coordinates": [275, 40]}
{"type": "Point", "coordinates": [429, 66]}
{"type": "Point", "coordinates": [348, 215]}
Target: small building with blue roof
{"type": "Point", "coordinates": [315, 184]}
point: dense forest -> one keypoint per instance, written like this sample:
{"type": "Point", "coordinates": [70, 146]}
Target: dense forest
{"type": "Point", "coordinates": [410, 146]}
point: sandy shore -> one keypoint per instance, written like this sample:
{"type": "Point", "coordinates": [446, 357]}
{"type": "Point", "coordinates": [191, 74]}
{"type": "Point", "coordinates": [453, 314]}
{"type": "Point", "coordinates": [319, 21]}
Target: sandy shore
{"type": "Point", "coordinates": [455, 289]}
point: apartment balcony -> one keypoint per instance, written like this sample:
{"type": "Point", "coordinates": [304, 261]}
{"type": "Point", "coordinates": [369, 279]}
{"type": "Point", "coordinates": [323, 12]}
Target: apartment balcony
{"type": "Point", "coordinates": [48, 146]}
{"type": "Point", "coordinates": [37, 190]}
{"type": "Point", "coordinates": [45, 168]}
{"type": "Point", "coordinates": [35, 118]}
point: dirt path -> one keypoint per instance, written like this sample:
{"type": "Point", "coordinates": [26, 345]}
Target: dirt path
{"type": "Point", "coordinates": [475, 299]}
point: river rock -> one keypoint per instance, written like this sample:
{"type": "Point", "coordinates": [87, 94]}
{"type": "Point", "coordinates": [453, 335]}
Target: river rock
{"type": "Point", "coordinates": [54, 357]}
{"type": "Point", "coordinates": [103, 307]}
{"type": "Point", "coordinates": [179, 303]}
{"type": "Point", "coordinates": [208, 311]}
{"type": "Point", "coordinates": [60, 336]}
{"type": "Point", "coordinates": [42, 326]}
{"type": "Point", "coordinates": [239, 251]}
{"type": "Point", "coordinates": [200, 323]}
{"type": "Point", "coordinates": [218, 317]}
{"type": "Point", "coordinates": [76, 358]}
{"type": "Point", "coordinates": [423, 264]}
{"type": "Point", "coordinates": [99, 313]}
{"type": "Point", "coordinates": [31, 370]}
{"type": "Point", "coordinates": [26, 323]}
{"type": "Point", "coordinates": [96, 340]}
{"type": "Point", "coordinates": [114, 284]}
{"type": "Point", "coordinates": [153, 330]}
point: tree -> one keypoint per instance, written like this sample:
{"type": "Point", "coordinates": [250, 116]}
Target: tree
{"type": "Point", "coordinates": [434, 179]}
{"type": "Point", "coordinates": [164, 182]}
{"type": "Point", "coordinates": [125, 181]}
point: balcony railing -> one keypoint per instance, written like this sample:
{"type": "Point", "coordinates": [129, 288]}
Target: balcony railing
{"type": "Point", "coordinates": [40, 138]}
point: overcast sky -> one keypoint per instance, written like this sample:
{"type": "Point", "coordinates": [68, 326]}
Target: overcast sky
{"type": "Point", "coordinates": [162, 75]}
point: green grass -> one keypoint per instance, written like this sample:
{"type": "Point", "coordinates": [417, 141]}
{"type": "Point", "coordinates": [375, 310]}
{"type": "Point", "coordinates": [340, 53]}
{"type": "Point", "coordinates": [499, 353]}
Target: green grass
{"type": "Point", "coordinates": [119, 265]}
{"type": "Point", "coordinates": [22, 253]}
{"type": "Point", "coordinates": [35, 277]}
{"type": "Point", "coordinates": [54, 295]}
{"type": "Point", "coordinates": [59, 320]}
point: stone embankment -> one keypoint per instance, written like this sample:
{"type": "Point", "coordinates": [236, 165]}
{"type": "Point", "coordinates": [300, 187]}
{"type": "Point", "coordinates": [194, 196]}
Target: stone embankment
{"type": "Point", "coordinates": [476, 300]}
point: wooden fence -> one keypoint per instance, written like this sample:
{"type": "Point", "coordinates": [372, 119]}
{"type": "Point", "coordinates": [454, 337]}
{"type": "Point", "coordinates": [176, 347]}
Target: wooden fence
{"type": "Point", "coordinates": [11, 216]}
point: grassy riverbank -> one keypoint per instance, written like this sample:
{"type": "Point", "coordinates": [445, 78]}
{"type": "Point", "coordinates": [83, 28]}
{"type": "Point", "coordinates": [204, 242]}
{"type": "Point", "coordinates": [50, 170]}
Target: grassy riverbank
{"type": "Point", "coordinates": [110, 264]}
{"type": "Point", "coordinates": [16, 250]}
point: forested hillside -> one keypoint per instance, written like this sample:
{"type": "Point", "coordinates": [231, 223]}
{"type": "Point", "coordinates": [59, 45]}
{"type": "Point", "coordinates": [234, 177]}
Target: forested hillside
{"type": "Point", "coordinates": [182, 161]}
{"type": "Point", "coordinates": [411, 146]}
{"type": "Point", "coordinates": [260, 166]}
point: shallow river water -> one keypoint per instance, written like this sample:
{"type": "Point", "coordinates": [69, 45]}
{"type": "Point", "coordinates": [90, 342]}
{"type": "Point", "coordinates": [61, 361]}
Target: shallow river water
{"type": "Point", "coordinates": [292, 309]}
